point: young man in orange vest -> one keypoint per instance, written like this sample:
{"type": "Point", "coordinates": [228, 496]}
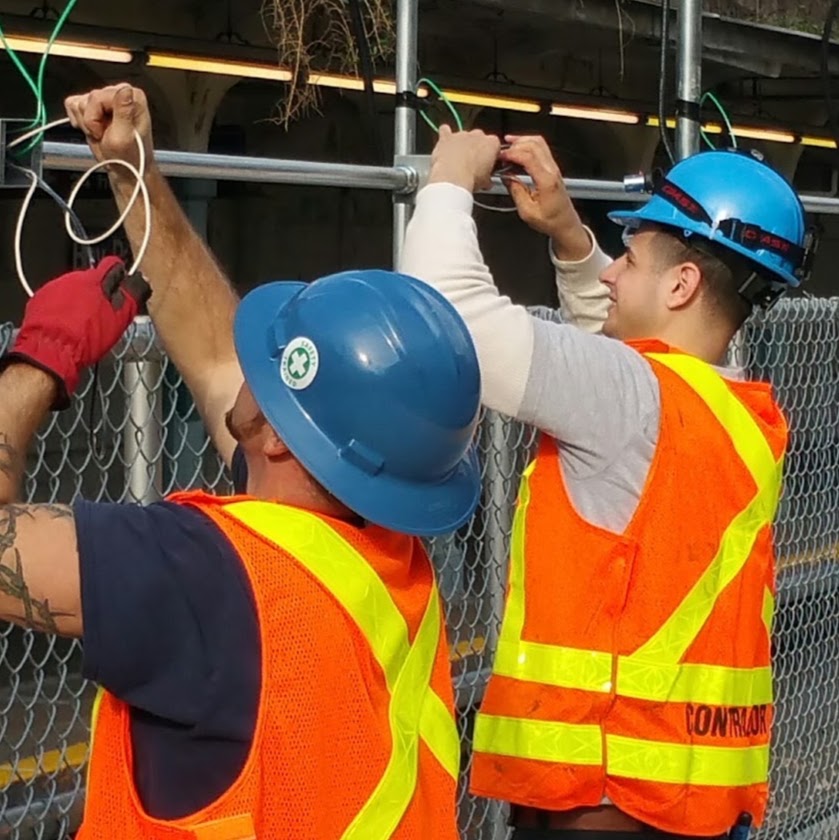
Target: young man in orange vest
{"type": "Point", "coordinates": [631, 693]}
{"type": "Point", "coordinates": [273, 664]}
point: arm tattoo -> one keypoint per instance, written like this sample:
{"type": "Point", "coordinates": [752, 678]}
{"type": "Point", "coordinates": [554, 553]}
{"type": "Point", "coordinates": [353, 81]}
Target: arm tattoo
{"type": "Point", "coordinates": [11, 464]}
{"type": "Point", "coordinates": [37, 615]}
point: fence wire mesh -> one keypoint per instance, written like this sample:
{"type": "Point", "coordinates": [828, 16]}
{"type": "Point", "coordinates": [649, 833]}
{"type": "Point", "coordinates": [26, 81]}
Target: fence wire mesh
{"type": "Point", "coordinates": [132, 434]}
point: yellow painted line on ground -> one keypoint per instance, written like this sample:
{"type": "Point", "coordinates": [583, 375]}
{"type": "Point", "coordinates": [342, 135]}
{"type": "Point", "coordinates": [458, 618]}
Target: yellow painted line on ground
{"type": "Point", "coordinates": [829, 553]}
{"type": "Point", "coordinates": [50, 762]}
{"type": "Point", "coordinates": [470, 647]}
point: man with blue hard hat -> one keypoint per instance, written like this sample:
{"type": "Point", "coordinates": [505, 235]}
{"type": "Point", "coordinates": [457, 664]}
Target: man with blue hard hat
{"type": "Point", "coordinates": [355, 423]}
{"type": "Point", "coordinates": [378, 396]}
{"type": "Point", "coordinates": [631, 693]}
{"type": "Point", "coordinates": [274, 663]}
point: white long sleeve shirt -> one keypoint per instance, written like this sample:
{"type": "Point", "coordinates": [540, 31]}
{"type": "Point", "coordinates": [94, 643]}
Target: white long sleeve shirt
{"type": "Point", "coordinates": [596, 396]}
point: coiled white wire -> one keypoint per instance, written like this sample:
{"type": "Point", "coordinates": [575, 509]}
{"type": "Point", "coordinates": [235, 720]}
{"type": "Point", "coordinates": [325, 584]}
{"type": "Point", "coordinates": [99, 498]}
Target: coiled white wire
{"type": "Point", "coordinates": [139, 190]}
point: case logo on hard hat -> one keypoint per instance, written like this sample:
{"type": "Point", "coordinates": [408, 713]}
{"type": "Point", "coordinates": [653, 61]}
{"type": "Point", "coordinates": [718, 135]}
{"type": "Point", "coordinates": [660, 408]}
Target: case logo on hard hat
{"type": "Point", "coordinates": [299, 363]}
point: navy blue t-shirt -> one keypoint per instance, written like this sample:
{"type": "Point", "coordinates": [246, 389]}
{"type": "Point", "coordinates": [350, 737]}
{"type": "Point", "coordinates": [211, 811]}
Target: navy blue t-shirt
{"type": "Point", "coordinates": [170, 628]}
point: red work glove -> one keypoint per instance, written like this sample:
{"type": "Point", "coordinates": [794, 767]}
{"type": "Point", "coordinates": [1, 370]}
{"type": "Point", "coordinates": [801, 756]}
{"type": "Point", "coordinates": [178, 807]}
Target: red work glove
{"type": "Point", "coordinates": [74, 321]}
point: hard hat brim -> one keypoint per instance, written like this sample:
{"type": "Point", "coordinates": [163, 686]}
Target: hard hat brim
{"type": "Point", "coordinates": [386, 500]}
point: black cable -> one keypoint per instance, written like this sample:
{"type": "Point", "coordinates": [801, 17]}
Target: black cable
{"type": "Point", "coordinates": [78, 227]}
{"type": "Point", "coordinates": [363, 46]}
{"type": "Point", "coordinates": [96, 450]}
{"type": "Point", "coordinates": [828, 99]}
{"type": "Point", "coordinates": [662, 78]}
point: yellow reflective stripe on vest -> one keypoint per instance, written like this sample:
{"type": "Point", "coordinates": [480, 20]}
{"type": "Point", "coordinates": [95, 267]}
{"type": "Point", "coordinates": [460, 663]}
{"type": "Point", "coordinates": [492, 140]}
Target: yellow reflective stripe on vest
{"type": "Point", "coordinates": [679, 631]}
{"type": "Point", "coordinates": [678, 764]}
{"type": "Point", "coordinates": [522, 660]}
{"type": "Point", "coordinates": [768, 609]}
{"type": "Point", "coordinates": [94, 721]}
{"type": "Point", "coordinates": [591, 670]}
{"type": "Point", "coordinates": [384, 809]}
{"type": "Point", "coordinates": [635, 758]}
{"type": "Point", "coordinates": [587, 670]}
{"type": "Point", "coordinates": [710, 685]}
{"type": "Point", "coordinates": [653, 672]}
{"type": "Point", "coordinates": [415, 709]}
{"type": "Point", "coordinates": [749, 441]}
{"type": "Point", "coordinates": [513, 625]}
{"type": "Point", "coordinates": [542, 740]}
{"type": "Point", "coordinates": [675, 636]}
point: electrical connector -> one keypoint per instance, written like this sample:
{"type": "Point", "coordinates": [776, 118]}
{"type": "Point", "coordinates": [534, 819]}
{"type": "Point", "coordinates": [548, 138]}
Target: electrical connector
{"type": "Point", "coordinates": [637, 182]}
{"type": "Point", "coordinates": [32, 159]}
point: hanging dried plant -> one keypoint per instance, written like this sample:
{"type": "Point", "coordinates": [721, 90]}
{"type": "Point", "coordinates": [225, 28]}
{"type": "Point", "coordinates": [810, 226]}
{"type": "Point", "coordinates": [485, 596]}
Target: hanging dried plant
{"type": "Point", "coordinates": [314, 36]}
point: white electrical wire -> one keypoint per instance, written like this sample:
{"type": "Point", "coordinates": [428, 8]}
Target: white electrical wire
{"type": "Point", "coordinates": [24, 137]}
{"type": "Point", "coordinates": [494, 209]}
{"type": "Point", "coordinates": [19, 231]}
{"type": "Point", "coordinates": [139, 190]}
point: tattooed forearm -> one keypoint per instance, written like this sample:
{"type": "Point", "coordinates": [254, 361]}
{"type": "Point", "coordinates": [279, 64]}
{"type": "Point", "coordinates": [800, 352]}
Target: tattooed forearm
{"type": "Point", "coordinates": [34, 614]}
{"type": "Point", "coordinates": [37, 615]}
{"type": "Point", "coordinates": [39, 573]}
{"type": "Point", "coordinates": [18, 510]}
{"type": "Point", "coordinates": [11, 461]}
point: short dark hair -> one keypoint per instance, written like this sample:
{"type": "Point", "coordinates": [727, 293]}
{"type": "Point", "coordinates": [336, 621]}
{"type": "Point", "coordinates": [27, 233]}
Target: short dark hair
{"type": "Point", "coordinates": [723, 271]}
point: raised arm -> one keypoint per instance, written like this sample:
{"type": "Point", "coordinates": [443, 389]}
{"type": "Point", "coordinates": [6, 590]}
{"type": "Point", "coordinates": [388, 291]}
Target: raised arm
{"type": "Point", "coordinates": [574, 252]}
{"type": "Point", "coordinates": [71, 323]}
{"type": "Point", "coordinates": [554, 376]}
{"type": "Point", "coordinates": [193, 303]}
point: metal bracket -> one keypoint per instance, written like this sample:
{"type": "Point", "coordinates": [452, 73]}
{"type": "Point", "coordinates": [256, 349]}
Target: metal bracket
{"type": "Point", "coordinates": [11, 177]}
{"type": "Point", "coordinates": [417, 168]}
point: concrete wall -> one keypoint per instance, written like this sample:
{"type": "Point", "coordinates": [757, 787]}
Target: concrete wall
{"type": "Point", "coordinates": [262, 232]}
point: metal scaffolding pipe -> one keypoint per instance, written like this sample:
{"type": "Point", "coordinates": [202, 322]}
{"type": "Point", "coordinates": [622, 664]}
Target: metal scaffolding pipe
{"type": "Point", "coordinates": [75, 156]}
{"type": "Point", "coordinates": [405, 115]}
{"type": "Point", "coordinates": [820, 204]}
{"type": "Point", "coordinates": [689, 78]}
{"type": "Point", "coordinates": [144, 431]}
{"type": "Point", "coordinates": [581, 188]}
{"type": "Point", "coordinates": [614, 191]}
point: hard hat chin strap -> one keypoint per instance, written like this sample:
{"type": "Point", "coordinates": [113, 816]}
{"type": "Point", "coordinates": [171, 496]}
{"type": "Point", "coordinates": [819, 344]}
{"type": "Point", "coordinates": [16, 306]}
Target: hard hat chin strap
{"type": "Point", "coordinates": [761, 291]}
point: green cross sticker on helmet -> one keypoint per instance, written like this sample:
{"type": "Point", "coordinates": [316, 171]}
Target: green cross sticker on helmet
{"type": "Point", "coordinates": [371, 379]}
{"type": "Point", "coordinates": [299, 363]}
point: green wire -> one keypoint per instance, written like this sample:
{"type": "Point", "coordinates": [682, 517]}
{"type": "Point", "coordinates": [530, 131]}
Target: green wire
{"type": "Point", "coordinates": [42, 111]}
{"type": "Point", "coordinates": [429, 122]}
{"type": "Point", "coordinates": [37, 87]}
{"type": "Point", "coordinates": [445, 100]}
{"type": "Point", "coordinates": [723, 114]}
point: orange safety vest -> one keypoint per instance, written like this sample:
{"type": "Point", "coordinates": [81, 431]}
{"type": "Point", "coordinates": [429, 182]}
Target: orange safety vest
{"type": "Point", "coordinates": [355, 734]}
{"type": "Point", "coordinates": [636, 666]}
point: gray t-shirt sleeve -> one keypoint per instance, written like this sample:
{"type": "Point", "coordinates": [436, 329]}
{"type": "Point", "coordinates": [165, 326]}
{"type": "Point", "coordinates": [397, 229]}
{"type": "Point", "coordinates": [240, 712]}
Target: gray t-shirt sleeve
{"type": "Point", "coordinates": [600, 399]}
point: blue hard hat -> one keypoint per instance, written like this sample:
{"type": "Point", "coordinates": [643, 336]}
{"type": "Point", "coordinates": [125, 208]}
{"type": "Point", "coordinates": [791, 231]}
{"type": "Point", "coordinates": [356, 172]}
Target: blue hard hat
{"type": "Point", "coordinates": [372, 381]}
{"type": "Point", "coordinates": [736, 200]}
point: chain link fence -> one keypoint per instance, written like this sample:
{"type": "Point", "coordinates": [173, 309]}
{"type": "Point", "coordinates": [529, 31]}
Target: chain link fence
{"type": "Point", "coordinates": [133, 435]}
{"type": "Point", "coordinates": [796, 347]}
